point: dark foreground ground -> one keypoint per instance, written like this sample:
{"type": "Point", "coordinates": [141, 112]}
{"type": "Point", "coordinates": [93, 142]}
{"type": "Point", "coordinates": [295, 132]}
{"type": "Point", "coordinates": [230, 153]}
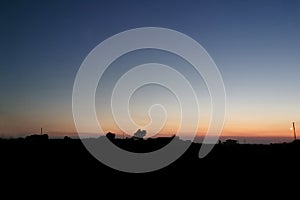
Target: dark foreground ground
{"type": "Point", "coordinates": [62, 163]}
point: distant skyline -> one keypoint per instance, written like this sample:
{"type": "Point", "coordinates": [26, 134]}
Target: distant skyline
{"type": "Point", "coordinates": [255, 44]}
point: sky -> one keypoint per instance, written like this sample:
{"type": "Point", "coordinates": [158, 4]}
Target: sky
{"type": "Point", "coordinates": [255, 45]}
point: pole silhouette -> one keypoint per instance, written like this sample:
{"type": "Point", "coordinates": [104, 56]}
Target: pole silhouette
{"type": "Point", "coordinates": [294, 128]}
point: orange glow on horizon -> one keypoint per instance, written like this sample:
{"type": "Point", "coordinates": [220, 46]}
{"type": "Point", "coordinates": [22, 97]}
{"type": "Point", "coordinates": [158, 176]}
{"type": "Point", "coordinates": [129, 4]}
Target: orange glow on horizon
{"type": "Point", "coordinates": [239, 128]}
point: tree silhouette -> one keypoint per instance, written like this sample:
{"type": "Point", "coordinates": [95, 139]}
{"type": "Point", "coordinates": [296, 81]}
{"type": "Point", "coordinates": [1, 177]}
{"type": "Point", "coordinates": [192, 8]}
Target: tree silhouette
{"type": "Point", "coordinates": [140, 134]}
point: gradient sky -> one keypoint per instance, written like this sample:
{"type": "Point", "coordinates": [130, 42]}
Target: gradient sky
{"type": "Point", "coordinates": [255, 44]}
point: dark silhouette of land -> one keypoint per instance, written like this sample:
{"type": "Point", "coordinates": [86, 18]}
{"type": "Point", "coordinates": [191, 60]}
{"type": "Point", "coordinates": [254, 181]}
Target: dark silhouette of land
{"type": "Point", "coordinates": [37, 151]}
{"type": "Point", "coordinates": [37, 158]}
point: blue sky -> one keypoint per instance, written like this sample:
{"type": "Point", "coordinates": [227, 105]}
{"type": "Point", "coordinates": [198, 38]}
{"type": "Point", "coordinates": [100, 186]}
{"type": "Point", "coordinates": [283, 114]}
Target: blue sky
{"type": "Point", "coordinates": [255, 44]}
